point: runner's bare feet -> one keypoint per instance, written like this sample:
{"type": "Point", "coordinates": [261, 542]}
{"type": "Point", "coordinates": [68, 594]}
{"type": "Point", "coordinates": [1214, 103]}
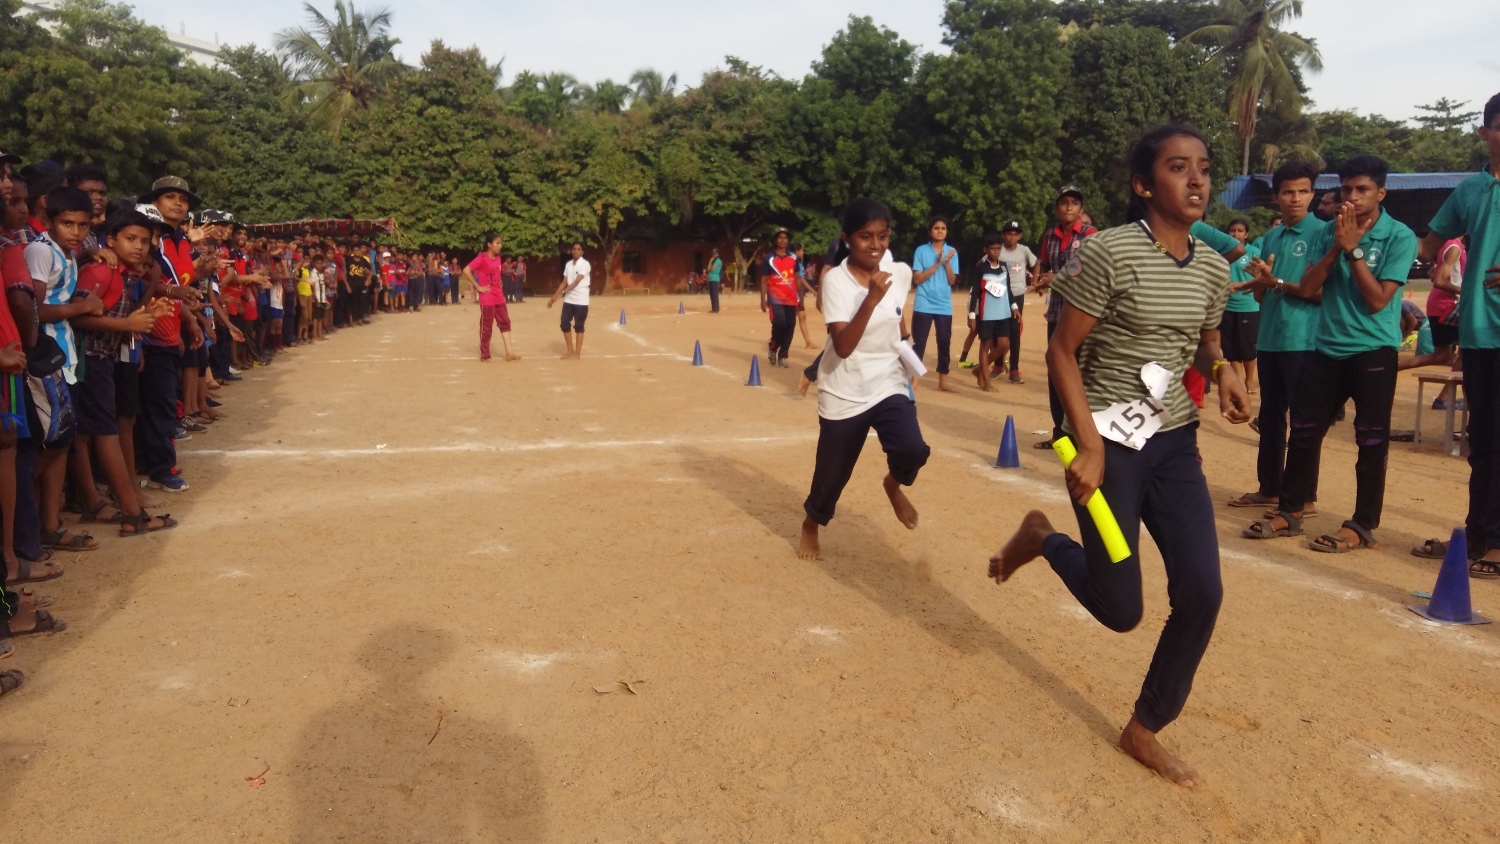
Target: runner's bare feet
{"type": "Point", "coordinates": [1022, 548]}
{"type": "Point", "coordinates": [1142, 746]}
{"type": "Point", "coordinates": [990, 388]}
{"type": "Point", "coordinates": [809, 549]}
{"type": "Point", "coordinates": [803, 384]}
{"type": "Point", "coordinates": [905, 513]}
{"type": "Point", "coordinates": [944, 386]}
{"type": "Point", "coordinates": [512, 357]}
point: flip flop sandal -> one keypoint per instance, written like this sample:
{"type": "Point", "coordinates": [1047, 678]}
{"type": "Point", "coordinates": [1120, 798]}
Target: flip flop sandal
{"type": "Point", "coordinates": [1330, 543]}
{"type": "Point", "coordinates": [1484, 570]}
{"type": "Point", "coordinates": [46, 622]}
{"type": "Point", "coordinates": [25, 575]}
{"type": "Point", "coordinates": [81, 541]}
{"type": "Point", "coordinates": [141, 524]}
{"type": "Point", "coordinates": [1262, 529]}
{"type": "Point", "coordinates": [7, 648]}
{"type": "Point", "coordinates": [10, 681]}
{"type": "Point", "coordinates": [1432, 549]}
{"type": "Point", "coordinates": [38, 602]}
{"type": "Point", "coordinates": [1254, 499]}
{"type": "Point", "coordinates": [1043, 445]}
{"type": "Point", "coordinates": [1307, 512]}
{"type": "Point", "coordinates": [91, 514]}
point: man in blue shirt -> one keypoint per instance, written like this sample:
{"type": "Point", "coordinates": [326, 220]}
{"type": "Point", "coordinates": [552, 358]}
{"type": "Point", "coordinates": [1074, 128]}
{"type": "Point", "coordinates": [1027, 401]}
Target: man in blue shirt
{"type": "Point", "coordinates": [934, 271]}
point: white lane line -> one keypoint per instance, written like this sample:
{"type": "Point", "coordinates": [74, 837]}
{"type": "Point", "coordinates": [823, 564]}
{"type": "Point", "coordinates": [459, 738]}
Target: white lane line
{"type": "Point", "coordinates": [661, 354]}
{"type": "Point", "coordinates": [499, 448]}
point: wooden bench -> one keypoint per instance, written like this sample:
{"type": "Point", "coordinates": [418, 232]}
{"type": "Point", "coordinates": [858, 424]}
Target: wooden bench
{"type": "Point", "coordinates": [1447, 379]}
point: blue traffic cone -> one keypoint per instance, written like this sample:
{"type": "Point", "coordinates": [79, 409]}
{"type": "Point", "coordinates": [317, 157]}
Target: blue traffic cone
{"type": "Point", "coordinates": [1010, 455]}
{"type": "Point", "coordinates": [622, 316]}
{"type": "Point", "coordinates": [697, 353]}
{"type": "Point", "coordinates": [1450, 595]}
{"type": "Point", "coordinates": [679, 308]}
{"type": "Point", "coordinates": [754, 380]}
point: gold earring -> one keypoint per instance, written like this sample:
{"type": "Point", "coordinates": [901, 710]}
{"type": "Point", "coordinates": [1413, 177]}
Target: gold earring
{"type": "Point", "coordinates": [1147, 194]}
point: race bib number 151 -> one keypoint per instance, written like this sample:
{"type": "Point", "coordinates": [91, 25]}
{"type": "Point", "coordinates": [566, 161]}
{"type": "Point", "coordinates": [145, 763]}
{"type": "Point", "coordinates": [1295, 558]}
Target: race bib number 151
{"type": "Point", "coordinates": [1132, 423]}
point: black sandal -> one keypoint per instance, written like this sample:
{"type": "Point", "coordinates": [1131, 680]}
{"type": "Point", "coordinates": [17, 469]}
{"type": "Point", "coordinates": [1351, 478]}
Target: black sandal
{"type": "Point", "coordinates": [1330, 543]}
{"type": "Point", "coordinates": [10, 681]}
{"type": "Point", "coordinates": [25, 575]}
{"type": "Point", "coordinates": [81, 541]}
{"type": "Point", "coordinates": [1261, 528]}
{"type": "Point", "coordinates": [1484, 569]}
{"type": "Point", "coordinates": [91, 514]}
{"type": "Point", "coordinates": [140, 523]}
{"type": "Point", "coordinates": [46, 622]}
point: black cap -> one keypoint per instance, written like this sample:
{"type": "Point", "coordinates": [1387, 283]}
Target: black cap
{"type": "Point", "coordinates": [1012, 226]}
{"type": "Point", "coordinates": [9, 157]}
{"type": "Point", "coordinates": [1068, 190]}
{"type": "Point", "coordinates": [214, 217]}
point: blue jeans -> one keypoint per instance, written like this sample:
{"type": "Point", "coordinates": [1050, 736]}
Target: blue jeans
{"type": "Point", "coordinates": [713, 296]}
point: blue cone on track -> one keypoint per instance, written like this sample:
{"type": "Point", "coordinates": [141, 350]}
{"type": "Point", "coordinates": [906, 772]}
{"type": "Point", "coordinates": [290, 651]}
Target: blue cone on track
{"type": "Point", "coordinates": [697, 353]}
{"type": "Point", "coordinates": [1450, 596]}
{"type": "Point", "coordinates": [1010, 455]}
{"type": "Point", "coordinates": [679, 309]}
{"type": "Point", "coordinates": [754, 380]}
{"type": "Point", "coordinates": [622, 316]}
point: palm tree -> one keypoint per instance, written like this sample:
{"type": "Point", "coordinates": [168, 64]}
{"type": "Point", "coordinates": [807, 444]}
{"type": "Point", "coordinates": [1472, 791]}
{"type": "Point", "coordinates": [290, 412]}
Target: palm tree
{"type": "Point", "coordinates": [340, 64]}
{"type": "Point", "coordinates": [650, 86]}
{"type": "Point", "coordinates": [607, 96]}
{"type": "Point", "coordinates": [1247, 45]}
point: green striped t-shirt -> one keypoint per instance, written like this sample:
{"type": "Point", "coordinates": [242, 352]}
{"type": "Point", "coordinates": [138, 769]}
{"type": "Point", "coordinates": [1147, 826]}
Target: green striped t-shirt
{"type": "Point", "coordinates": [1148, 308]}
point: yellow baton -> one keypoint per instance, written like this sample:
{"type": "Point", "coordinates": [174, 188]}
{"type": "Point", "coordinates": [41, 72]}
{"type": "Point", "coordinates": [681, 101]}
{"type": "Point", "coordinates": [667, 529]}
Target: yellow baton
{"type": "Point", "coordinates": [1104, 518]}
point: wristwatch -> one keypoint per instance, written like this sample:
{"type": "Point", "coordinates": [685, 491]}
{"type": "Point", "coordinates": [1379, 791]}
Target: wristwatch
{"type": "Point", "coordinates": [1355, 254]}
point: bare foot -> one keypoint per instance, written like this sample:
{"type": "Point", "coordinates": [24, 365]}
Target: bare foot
{"type": "Point", "coordinates": [905, 513]}
{"type": "Point", "coordinates": [990, 388]}
{"type": "Point", "coordinates": [1142, 746]}
{"type": "Point", "coordinates": [944, 386]}
{"type": "Point", "coordinates": [803, 384]}
{"type": "Point", "coordinates": [809, 549]}
{"type": "Point", "coordinates": [1022, 548]}
{"type": "Point", "coordinates": [568, 356]}
{"type": "Point", "coordinates": [512, 357]}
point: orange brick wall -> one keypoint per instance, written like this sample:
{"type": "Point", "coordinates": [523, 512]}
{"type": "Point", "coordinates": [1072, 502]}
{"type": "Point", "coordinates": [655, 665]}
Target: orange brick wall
{"type": "Point", "coordinates": [665, 267]}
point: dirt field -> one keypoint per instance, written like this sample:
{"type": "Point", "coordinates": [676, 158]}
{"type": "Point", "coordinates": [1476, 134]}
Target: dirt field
{"type": "Point", "coordinates": [402, 574]}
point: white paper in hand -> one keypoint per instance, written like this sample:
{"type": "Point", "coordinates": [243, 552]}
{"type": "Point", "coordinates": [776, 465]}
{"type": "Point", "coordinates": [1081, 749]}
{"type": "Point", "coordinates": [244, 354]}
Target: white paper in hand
{"type": "Point", "coordinates": [909, 360]}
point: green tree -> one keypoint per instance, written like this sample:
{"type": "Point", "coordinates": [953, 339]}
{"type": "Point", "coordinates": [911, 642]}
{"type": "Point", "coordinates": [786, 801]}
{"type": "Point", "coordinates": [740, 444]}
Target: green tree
{"type": "Point", "coordinates": [106, 88]}
{"type": "Point", "coordinates": [607, 96]}
{"type": "Point", "coordinates": [649, 86]}
{"type": "Point", "coordinates": [993, 113]}
{"type": "Point", "coordinates": [1446, 116]}
{"type": "Point", "coordinates": [610, 179]}
{"type": "Point", "coordinates": [342, 63]}
{"type": "Point", "coordinates": [1126, 79]}
{"type": "Point", "coordinates": [1259, 59]}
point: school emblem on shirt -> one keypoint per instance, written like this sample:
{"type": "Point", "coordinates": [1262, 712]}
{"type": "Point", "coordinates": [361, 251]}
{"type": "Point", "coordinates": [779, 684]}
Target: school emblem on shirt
{"type": "Point", "coordinates": [1074, 266]}
{"type": "Point", "coordinates": [1299, 248]}
{"type": "Point", "coordinates": [1373, 257]}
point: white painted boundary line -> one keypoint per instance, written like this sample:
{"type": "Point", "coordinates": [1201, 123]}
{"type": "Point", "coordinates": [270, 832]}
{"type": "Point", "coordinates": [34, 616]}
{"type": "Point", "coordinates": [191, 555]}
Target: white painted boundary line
{"type": "Point", "coordinates": [662, 352]}
{"type": "Point", "coordinates": [475, 358]}
{"type": "Point", "coordinates": [494, 448]}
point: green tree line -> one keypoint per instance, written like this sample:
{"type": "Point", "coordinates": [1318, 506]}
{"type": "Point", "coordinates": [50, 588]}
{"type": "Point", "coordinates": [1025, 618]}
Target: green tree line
{"type": "Point", "coordinates": [1029, 95]}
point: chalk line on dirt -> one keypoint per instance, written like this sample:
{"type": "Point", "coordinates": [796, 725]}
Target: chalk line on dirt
{"type": "Point", "coordinates": [498, 448]}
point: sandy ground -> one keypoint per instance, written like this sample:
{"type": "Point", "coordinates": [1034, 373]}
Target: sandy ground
{"type": "Point", "coordinates": [402, 574]}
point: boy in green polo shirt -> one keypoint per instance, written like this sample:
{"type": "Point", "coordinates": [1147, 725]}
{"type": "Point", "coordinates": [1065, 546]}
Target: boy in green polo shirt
{"type": "Point", "coordinates": [1363, 261]}
{"type": "Point", "coordinates": [1474, 209]}
{"type": "Point", "coordinates": [1288, 323]}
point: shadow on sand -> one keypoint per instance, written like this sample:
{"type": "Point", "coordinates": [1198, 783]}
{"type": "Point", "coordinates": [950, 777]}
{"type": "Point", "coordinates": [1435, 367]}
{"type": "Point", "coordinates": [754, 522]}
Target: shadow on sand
{"type": "Point", "coordinates": [880, 574]}
{"type": "Point", "coordinates": [370, 769]}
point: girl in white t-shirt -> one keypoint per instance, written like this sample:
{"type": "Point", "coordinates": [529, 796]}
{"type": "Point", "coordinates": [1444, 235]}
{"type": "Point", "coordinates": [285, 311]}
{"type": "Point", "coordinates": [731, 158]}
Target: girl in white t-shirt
{"type": "Point", "coordinates": [861, 382]}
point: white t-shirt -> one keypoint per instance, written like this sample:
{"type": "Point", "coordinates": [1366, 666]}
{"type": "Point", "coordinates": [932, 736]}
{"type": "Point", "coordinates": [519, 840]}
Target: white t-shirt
{"type": "Point", "coordinates": [580, 294]}
{"type": "Point", "coordinates": [275, 297]}
{"type": "Point", "coordinates": [1018, 261]}
{"type": "Point", "coordinates": [872, 372]}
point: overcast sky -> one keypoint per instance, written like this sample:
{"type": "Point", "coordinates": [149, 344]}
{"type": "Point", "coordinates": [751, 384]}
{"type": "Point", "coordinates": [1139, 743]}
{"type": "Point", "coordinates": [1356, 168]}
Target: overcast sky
{"type": "Point", "coordinates": [1379, 58]}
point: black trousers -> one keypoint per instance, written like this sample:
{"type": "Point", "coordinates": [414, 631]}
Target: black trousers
{"type": "Point", "coordinates": [841, 440]}
{"type": "Point", "coordinates": [783, 326]}
{"type": "Point", "coordinates": [1280, 380]}
{"type": "Point", "coordinates": [1015, 332]}
{"type": "Point", "coordinates": [713, 295]}
{"type": "Point", "coordinates": [155, 452]}
{"type": "Point", "coordinates": [1482, 391]}
{"type": "Point", "coordinates": [1162, 486]}
{"type": "Point", "coordinates": [1370, 379]}
{"type": "Point", "coordinates": [28, 527]}
{"type": "Point", "coordinates": [1054, 401]}
{"type": "Point", "coordinates": [218, 354]}
{"type": "Point", "coordinates": [922, 323]}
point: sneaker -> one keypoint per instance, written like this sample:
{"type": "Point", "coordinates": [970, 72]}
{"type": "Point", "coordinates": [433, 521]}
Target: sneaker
{"type": "Point", "coordinates": [181, 435]}
{"type": "Point", "coordinates": [193, 426]}
{"type": "Point", "coordinates": [235, 371]}
{"type": "Point", "coordinates": [783, 364]}
{"type": "Point", "coordinates": [215, 403]}
{"type": "Point", "coordinates": [170, 483]}
{"type": "Point", "coordinates": [233, 377]}
{"type": "Point", "coordinates": [1439, 404]}
{"type": "Point", "coordinates": [1015, 377]}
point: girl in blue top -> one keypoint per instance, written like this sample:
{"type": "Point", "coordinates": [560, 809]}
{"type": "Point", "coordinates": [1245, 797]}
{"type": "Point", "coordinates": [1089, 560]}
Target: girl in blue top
{"type": "Point", "coordinates": [934, 272]}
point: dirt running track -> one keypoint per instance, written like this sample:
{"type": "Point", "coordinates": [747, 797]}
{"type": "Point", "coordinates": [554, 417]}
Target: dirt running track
{"type": "Point", "coordinates": [402, 574]}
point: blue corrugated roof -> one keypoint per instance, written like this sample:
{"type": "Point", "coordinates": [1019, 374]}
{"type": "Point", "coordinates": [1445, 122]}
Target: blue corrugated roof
{"type": "Point", "coordinates": [1240, 195]}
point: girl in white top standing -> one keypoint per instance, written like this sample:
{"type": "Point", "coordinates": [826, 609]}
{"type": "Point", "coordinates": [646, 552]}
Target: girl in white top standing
{"type": "Point", "coordinates": [861, 383]}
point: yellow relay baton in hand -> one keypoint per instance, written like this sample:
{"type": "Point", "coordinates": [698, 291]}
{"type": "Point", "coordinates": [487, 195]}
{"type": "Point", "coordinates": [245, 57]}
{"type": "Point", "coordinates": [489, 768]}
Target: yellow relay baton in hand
{"type": "Point", "coordinates": [1104, 518]}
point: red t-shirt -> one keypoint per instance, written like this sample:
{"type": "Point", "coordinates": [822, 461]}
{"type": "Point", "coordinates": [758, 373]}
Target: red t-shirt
{"type": "Point", "coordinates": [13, 267]}
{"type": "Point", "coordinates": [486, 271]}
{"type": "Point", "coordinates": [179, 253]}
{"type": "Point", "coordinates": [109, 284]}
{"type": "Point", "coordinates": [781, 281]}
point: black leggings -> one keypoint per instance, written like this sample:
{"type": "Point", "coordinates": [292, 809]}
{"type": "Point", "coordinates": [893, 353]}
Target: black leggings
{"type": "Point", "coordinates": [920, 324]}
{"type": "Point", "coordinates": [1370, 379]}
{"type": "Point", "coordinates": [783, 326]}
{"type": "Point", "coordinates": [1280, 380]}
{"type": "Point", "coordinates": [1054, 401]}
{"type": "Point", "coordinates": [1161, 485]}
{"type": "Point", "coordinates": [1482, 391]}
{"type": "Point", "coordinates": [841, 440]}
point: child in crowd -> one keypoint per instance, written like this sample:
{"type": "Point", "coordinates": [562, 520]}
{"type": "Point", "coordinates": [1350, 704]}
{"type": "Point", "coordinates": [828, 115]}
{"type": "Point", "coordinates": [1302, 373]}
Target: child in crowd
{"type": "Point", "coordinates": [991, 309]}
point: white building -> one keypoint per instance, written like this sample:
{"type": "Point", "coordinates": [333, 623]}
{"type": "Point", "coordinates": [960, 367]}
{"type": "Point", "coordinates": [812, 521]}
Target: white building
{"type": "Point", "coordinates": [196, 49]}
